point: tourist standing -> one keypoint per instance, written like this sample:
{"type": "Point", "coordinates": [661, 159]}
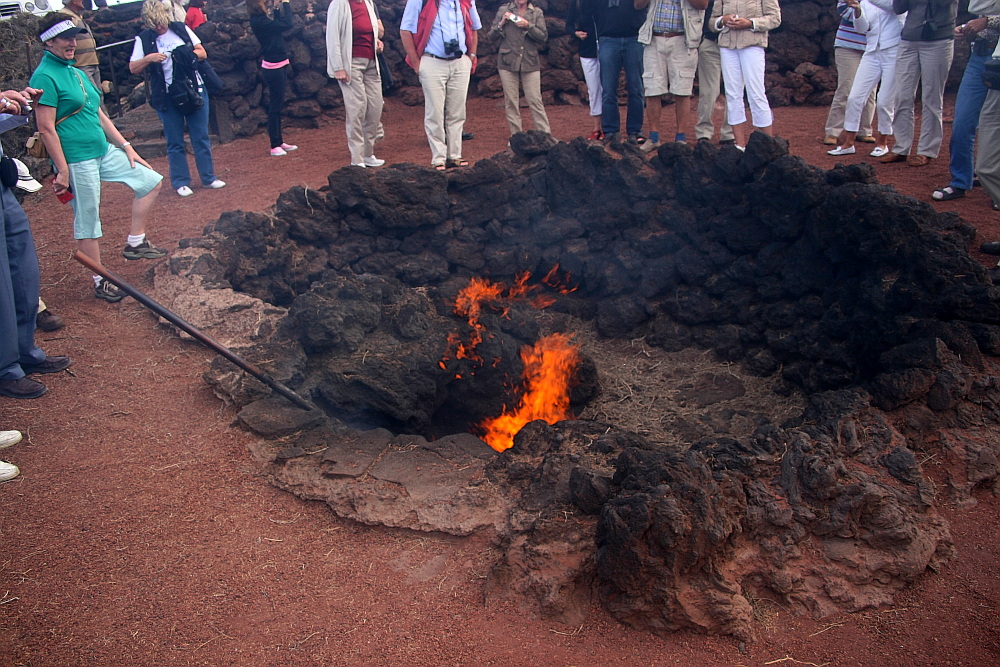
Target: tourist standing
{"type": "Point", "coordinates": [440, 39]}
{"type": "Point", "coordinates": [521, 28]}
{"type": "Point", "coordinates": [269, 29]}
{"type": "Point", "coordinates": [353, 42]}
{"type": "Point", "coordinates": [587, 50]}
{"type": "Point", "coordinates": [710, 84]}
{"type": "Point", "coordinates": [848, 47]}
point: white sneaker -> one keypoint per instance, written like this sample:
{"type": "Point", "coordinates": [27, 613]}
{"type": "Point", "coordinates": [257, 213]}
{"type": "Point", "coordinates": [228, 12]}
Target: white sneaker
{"type": "Point", "coordinates": [9, 438]}
{"type": "Point", "coordinates": [288, 148]}
{"type": "Point", "coordinates": [372, 161]}
{"type": "Point", "coordinates": [185, 191]}
{"type": "Point", "coordinates": [359, 164]}
{"type": "Point", "coordinates": [278, 151]}
{"type": "Point", "coordinates": [8, 471]}
{"type": "Point", "coordinates": [841, 150]}
{"type": "Point", "coordinates": [216, 184]}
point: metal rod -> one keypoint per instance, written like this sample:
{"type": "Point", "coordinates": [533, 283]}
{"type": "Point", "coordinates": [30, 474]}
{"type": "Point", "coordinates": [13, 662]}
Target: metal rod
{"type": "Point", "coordinates": [198, 335]}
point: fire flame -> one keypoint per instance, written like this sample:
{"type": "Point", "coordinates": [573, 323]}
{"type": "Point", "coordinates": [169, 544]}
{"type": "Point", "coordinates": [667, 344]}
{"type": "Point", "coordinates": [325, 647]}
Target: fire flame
{"type": "Point", "coordinates": [549, 366]}
{"type": "Point", "coordinates": [471, 301]}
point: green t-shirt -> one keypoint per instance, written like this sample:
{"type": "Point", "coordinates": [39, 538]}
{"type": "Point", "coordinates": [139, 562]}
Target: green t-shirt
{"type": "Point", "coordinates": [67, 89]}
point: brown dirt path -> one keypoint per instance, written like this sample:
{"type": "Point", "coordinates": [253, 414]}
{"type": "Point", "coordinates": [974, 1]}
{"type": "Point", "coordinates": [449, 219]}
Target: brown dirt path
{"type": "Point", "coordinates": [141, 533]}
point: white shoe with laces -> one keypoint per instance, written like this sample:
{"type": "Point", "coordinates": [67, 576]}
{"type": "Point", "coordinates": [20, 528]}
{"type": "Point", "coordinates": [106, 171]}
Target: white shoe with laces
{"type": "Point", "coordinates": [185, 191]}
{"type": "Point", "coordinates": [216, 184]}
{"type": "Point", "coordinates": [8, 471]}
{"type": "Point", "coordinates": [372, 161]}
{"type": "Point", "coordinates": [9, 438]}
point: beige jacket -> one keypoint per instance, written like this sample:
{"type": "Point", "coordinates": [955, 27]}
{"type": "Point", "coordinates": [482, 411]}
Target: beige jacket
{"type": "Point", "coordinates": [765, 15]}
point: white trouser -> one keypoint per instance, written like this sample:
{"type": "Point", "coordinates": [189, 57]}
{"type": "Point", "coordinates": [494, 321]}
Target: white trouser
{"type": "Point", "coordinates": [875, 66]}
{"type": "Point", "coordinates": [744, 69]}
{"type": "Point", "coordinates": [592, 75]}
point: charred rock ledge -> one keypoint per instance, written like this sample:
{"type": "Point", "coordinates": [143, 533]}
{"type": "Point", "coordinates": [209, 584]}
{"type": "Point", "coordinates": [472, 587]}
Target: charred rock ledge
{"type": "Point", "coordinates": [833, 285]}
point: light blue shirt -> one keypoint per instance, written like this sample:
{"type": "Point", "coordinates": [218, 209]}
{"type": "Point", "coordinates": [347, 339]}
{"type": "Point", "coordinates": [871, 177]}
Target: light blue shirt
{"type": "Point", "coordinates": [448, 24]}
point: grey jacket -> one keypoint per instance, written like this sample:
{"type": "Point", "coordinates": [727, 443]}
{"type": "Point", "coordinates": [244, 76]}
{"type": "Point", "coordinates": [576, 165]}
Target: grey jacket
{"type": "Point", "coordinates": [927, 20]}
{"type": "Point", "coordinates": [519, 47]}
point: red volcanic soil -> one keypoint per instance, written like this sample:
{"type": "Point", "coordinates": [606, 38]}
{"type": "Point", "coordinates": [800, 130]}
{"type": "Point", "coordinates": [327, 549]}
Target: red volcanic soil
{"type": "Point", "coordinates": [140, 531]}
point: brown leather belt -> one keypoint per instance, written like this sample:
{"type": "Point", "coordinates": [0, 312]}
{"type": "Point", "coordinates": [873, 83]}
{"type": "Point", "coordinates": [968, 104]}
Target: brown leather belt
{"type": "Point", "coordinates": [668, 34]}
{"type": "Point", "coordinates": [441, 58]}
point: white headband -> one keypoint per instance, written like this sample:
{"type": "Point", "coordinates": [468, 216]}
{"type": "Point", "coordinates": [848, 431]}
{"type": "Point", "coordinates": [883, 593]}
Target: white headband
{"type": "Point", "coordinates": [56, 30]}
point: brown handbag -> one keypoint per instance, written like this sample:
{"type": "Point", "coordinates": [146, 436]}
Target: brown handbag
{"type": "Point", "coordinates": [35, 146]}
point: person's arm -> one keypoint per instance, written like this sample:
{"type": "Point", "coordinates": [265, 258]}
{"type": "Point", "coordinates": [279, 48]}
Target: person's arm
{"type": "Point", "coordinates": [45, 118]}
{"type": "Point", "coordinates": [410, 48]}
{"type": "Point", "coordinates": [283, 17]}
{"type": "Point", "coordinates": [199, 50]}
{"type": "Point", "coordinates": [537, 30]}
{"type": "Point", "coordinates": [497, 27]}
{"type": "Point", "coordinates": [335, 68]}
{"type": "Point", "coordinates": [473, 48]}
{"type": "Point", "coordinates": [984, 7]}
{"type": "Point", "coordinates": [140, 62]}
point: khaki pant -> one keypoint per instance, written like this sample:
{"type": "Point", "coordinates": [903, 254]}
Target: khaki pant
{"type": "Point", "coordinates": [988, 155]}
{"type": "Point", "coordinates": [531, 82]}
{"type": "Point", "coordinates": [446, 85]}
{"type": "Point", "coordinates": [925, 64]}
{"type": "Point", "coordinates": [709, 85]}
{"type": "Point", "coordinates": [847, 66]}
{"type": "Point", "coordinates": [362, 108]}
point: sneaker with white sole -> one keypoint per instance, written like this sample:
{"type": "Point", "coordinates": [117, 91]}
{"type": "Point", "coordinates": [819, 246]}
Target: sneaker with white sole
{"type": "Point", "coordinates": [842, 150]}
{"type": "Point", "coordinates": [8, 471]}
{"type": "Point", "coordinates": [144, 250]}
{"type": "Point", "coordinates": [105, 291]}
{"type": "Point", "coordinates": [288, 148]}
{"type": "Point", "coordinates": [278, 151]}
{"type": "Point", "coordinates": [185, 191]}
{"type": "Point", "coordinates": [216, 184]}
{"type": "Point", "coordinates": [372, 161]}
{"type": "Point", "coordinates": [9, 438]}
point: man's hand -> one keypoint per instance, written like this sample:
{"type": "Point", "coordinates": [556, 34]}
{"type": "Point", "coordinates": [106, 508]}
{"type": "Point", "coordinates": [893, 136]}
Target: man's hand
{"type": "Point", "coordinates": [972, 28]}
{"type": "Point", "coordinates": [341, 75]}
{"type": "Point", "coordinates": [15, 102]}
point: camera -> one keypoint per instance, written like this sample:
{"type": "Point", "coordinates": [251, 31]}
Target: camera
{"type": "Point", "coordinates": [451, 48]}
{"type": "Point", "coordinates": [514, 18]}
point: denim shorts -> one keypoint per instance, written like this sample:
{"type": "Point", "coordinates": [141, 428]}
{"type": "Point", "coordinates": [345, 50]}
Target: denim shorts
{"type": "Point", "coordinates": [85, 178]}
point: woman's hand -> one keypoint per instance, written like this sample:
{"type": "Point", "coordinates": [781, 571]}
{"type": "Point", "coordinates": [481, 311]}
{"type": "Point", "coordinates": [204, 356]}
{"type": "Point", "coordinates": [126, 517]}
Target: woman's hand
{"type": "Point", "coordinates": [734, 22]}
{"type": "Point", "coordinates": [60, 183]}
{"type": "Point", "coordinates": [580, 35]}
{"type": "Point", "coordinates": [341, 75]}
{"type": "Point", "coordinates": [379, 46]}
{"type": "Point", "coordinates": [155, 58]}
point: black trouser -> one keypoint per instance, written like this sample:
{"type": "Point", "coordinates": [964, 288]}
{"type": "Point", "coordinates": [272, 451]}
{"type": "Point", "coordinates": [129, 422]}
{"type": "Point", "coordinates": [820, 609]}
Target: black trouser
{"type": "Point", "coordinates": [275, 81]}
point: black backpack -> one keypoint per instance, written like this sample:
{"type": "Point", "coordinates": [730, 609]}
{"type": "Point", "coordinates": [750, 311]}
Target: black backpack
{"type": "Point", "coordinates": [183, 91]}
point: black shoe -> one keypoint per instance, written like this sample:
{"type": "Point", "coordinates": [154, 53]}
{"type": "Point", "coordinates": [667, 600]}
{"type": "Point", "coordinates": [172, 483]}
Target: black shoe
{"type": "Point", "coordinates": [466, 136]}
{"type": "Point", "coordinates": [990, 248]}
{"type": "Point", "coordinates": [144, 250]}
{"type": "Point", "coordinates": [49, 321]}
{"type": "Point", "coordinates": [108, 292]}
{"type": "Point", "coordinates": [22, 388]}
{"type": "Point", "coordinates": [50, 365]}
{"type": "Point", "coordinates": [947, 193]}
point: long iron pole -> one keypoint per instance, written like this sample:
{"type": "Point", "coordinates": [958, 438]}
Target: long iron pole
{"type": "Point", "coordinates": [198, 335]}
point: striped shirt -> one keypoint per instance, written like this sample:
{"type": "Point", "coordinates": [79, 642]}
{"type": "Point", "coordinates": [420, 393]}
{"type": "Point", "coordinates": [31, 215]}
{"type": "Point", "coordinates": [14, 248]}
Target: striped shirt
{"type": "Point", "coordinates": [847, 36]}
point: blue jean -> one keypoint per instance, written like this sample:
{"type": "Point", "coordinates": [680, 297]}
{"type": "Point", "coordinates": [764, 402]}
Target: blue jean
{"type": "Point", "coordinates": [616, 53]}
{"type": "Point", "coordinates": [197, 126]}
{"type": "Point", "coordinates": [19, 284]}
{"type": "Point", "coordinates": [968, 104]}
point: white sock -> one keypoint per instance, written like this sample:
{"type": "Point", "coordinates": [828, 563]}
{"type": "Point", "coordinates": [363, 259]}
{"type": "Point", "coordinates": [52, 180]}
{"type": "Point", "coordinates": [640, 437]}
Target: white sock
{"type": "Point", "coordinates": [136, 240]}
{"type": "Point", "coordinates": [97, 281]}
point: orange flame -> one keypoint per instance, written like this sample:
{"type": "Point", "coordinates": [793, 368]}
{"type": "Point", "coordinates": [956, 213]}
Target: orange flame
{"type": "Point", "coordinates": [548, 370]}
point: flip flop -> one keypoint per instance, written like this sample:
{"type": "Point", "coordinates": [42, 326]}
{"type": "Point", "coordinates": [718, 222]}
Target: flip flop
{"type": "Point", "coordinates": [439, 167]}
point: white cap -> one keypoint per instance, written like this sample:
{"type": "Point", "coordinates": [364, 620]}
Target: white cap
{"type": "Point", "coordinates": [24, 178]}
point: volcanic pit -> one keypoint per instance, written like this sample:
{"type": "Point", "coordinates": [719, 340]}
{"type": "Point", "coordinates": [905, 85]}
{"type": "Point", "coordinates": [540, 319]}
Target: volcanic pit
{"type": "Point", "coordinates": [783, 370]}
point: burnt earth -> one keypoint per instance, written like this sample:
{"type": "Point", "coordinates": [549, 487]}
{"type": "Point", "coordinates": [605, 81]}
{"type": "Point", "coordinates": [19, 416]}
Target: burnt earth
{"type": "Point", "coordinates": [824, 282]}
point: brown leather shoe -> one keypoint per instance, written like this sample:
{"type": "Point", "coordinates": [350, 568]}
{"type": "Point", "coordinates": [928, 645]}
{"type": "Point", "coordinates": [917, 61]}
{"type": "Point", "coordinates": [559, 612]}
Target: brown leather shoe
{"type": "Point", "coordinates": [918, 160]}
{"type": "Point", "coordinates": [829, 140]}
{"type": "Point", "coordinates": [892, 157]}
{"type": "Point", "coordinates": [49, 321]}
{"type": "Point", "coordinates": [867, 140]}
{"type": "Point", "coordinates": [22, 388]}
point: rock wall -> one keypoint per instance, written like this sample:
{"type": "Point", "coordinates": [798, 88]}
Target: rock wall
{"type": "Point", "coordinates": [799, 63]}
{"type": "Point", "coordinates": [865, 300]}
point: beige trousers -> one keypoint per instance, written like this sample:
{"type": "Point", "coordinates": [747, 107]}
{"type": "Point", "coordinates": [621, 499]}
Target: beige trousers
{"type": "Point", "coordinates": [362, 108]}
{"type": "Point", "coordinates": [847, 66]}
{"type": "Point", "coordinates": [446, 85]}
{"type": "Point", "coordinates": [532, 84]}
